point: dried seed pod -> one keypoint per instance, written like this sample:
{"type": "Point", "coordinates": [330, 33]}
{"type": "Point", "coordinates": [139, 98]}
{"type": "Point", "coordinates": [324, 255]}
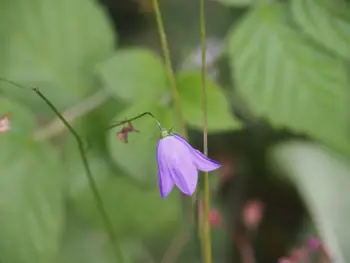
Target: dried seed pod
{"type": "Point", "coordinates": [123, 134]}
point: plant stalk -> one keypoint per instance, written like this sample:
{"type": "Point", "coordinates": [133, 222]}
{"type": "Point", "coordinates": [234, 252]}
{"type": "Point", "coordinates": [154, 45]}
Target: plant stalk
{"type": "Point", "coordinates": [177, 102]}
{"type": "Point", "coordinates": [207, 252]}
{"type": "Point", "coordinates": [171, 74]}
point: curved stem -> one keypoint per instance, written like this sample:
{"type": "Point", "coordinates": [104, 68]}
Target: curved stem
{"type": "Point", "coordinates": [135, 118]}
{"type": "Point", "coordinates": [55, 127]}
{"type": "Point", "coordinates": [92, 183]}
{"type": "Point", "coordinates": [206, 224]}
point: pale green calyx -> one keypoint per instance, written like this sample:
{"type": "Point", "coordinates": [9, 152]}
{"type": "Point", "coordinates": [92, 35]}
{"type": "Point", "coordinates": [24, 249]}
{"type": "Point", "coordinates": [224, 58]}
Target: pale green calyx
{"type": "Point", "coordinates": [165, 132]}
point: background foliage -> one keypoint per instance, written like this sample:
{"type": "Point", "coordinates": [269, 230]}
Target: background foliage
{"type": "Point", "coordinates": [278, 73]}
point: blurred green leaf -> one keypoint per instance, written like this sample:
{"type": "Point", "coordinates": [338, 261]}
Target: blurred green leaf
{"type": "Point", "coordinates": [82, 243]}
{"type": "Point", "coordinates": [92, 127]}
{"type": "Point", "coordinates": [53, 45]}
{"type": "Point", "coordinates": [323, 180]}
{"type": "Point", "coordinates": [134, 73]}
{"type": "Point", "coordinates": [30, 195]}
{"type": "Point", "coordinates": [128, 206]}
{"type": "Point", "coordinates": [138, 156]}
{"type": "Point", "coordinates": [135, 211]}
{"type": "Point", "coordinates": [21, 120]}
{"type": "Point", "coordinates": [286, 78]}
{"type": "Point", "coordinates": [76, 177]}
{"type": "Point", "coordinates": [219, 116]}
{"type": "Point", "coordinates": [327, 21]}
{"type": "Point", "coordinates": [237, 3]}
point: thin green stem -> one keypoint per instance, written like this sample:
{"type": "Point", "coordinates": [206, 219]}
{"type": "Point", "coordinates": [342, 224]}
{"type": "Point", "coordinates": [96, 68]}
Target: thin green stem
{"type": "Point", "coordinates": [134, 118]}
{"type": "Point", "coordinates": [207, 253]}
{"type": "Point", "coordinates": [92, 183]}
{"type": "Point", "coordinates": [175, 93]}
{"type": "Point", "coordinates": [171, 74]}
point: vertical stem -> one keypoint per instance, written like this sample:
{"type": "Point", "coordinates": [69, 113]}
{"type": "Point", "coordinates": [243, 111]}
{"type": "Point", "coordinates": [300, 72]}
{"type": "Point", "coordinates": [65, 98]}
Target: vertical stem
{"type": "Point", "coordinates": [175, 93]}
{"type": "Point", "coordinates": [206, 225]}
{"type": "Point", "coordinates": [171, 74]}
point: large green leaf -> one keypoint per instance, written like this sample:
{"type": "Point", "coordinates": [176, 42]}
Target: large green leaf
{"type": "Point", "coordinates": [128, 205]}
{"type": "Point", "coordinates": [134, 73]}
{"type": "Point", "coordinates": [30, 195]}
{"type": "Point", "coordinates": [327, 21]}
{"type": "Point", "coordinates": [138, 157]}
{"type": "Point", "coordinates": [219, 115]}
{"type": "Point", "coordinates": [83, 244]}
{"type": "Point", "coordinates": [53, 45]}
{"type": "Point", "coordinates": [133, 211]}
{"type": "Point", "coordinates": [21, 120]}
{"type": "Point", "coordinates": [238, 3]}
{"type": "Point", "coordinates": [323, 180]}
{"type": "Point", "coordinates": [289, 80]}
{"type": "Point", "coordinates": [88, 244]}
{"type": "Point", "coordinates": [76, 178]}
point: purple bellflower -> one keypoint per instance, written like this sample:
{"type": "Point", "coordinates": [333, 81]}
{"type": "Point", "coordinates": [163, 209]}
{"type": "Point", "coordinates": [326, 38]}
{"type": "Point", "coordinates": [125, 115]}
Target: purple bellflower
{"type": "Point", "coordinates": [178, 164]}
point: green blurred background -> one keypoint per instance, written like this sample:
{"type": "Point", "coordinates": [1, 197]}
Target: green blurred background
{"type": "Point", "coordinates": [278, 121]}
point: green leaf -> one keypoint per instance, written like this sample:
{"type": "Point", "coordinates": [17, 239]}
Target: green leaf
{"type": "Point", "coordinates": [21, 120]}
{"type": "Point", "coordinates": [76, 177]}
{"type": "Point", "coordinates": [128, 205]}
{"type": "Point", "coordinates": [30, 196]}
{"type": "Point", "coordinates": [237, 3]}
{"type": "Point", "coordinates": [327, 21]}
{"type": "Point", "coordinates": [53, 45]}
{"type": "Point", "coordinates": [219, 115]}
{"type": "Point", "coordinates": [323, 180]}
{"type": "Point", "coordinates": [138, 156]}
{"type": "Point", "coordinates": [83, 244]}
{"type": "Point", "coordinates": [289, 80]}
{"type": "Point", "coordinates": [134, 73]}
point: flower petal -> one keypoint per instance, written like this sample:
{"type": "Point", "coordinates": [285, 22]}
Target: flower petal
{"type": "Point", "coordinates": [179, 162]}
{"type": "Point", "coordinates": [202, 162]}
{"type": "Point", "coordinates": [165, 181]}
{"type": "Point", "coordinates": [185, 178]}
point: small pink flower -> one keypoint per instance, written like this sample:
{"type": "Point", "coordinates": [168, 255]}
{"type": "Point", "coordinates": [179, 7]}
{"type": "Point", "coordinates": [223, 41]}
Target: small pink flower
{"type": "Point", "coordinates": [252, 214]}
{"type": "Point", "coordinates": [314, 243]}
{"type": "Point", "coordinates": [215, 218]}
{"type": "Point", "coordinates": [4, 123]}
{"type": "Point", "coordinates": [284, 260]}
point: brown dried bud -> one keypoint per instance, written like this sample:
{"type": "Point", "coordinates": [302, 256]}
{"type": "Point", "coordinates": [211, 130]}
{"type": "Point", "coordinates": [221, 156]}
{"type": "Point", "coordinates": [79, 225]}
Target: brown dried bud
{"type": "Point", "coordinates": [123, 134]}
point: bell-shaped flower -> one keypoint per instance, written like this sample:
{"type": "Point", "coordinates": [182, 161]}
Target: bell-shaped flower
{"type": "Point", "coordinates": [178, 164]}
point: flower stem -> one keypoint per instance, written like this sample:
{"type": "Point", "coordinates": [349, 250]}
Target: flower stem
{"type": "Point", "coordinates": [176, 98]}
{"type": "Point", "coordinates": [171, 74]}
{"type": "Point", "coordinates": [207, 253]}
{"type": "Point", "coordinates": [134, 118]}
{"type": "Point", "coordinates": [92, 183]}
